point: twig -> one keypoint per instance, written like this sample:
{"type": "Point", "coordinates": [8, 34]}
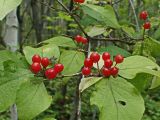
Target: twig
{"type": "Point", "coordinates": [50, 7]}
{"type": "Point", "coordinates": [72, 15]}
{"type": "Point", "coordinates": [137, 24]}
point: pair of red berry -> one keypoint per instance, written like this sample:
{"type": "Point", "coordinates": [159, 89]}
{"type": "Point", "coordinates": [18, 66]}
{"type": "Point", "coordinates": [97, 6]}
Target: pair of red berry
{"type": "Point", "coordinates": [79, 1]}
{"type": "Point", "coordinates": [143, 16]}
{"type": "Point", "coordinates": [80, 39]}
{"type": "Point", "coordinates": [107, 69]}
{"type": "Point", "coordinates": [88, 63]}
{"type": "Point", "coordinates": [37, 62]}
{"type": "Point", "coordinates": [51, 73]}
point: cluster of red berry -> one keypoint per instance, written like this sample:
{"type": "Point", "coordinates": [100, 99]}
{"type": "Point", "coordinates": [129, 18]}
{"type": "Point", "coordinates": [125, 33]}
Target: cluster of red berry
{"type": "Point", "coordinates": [108, 69]}
{"type": "Point", "coordinates": [80, 39]}
{"type": "Point", "coordinates": [50, 73]}
{"type": "Point", "coordinates": [79, 1]}
{"type": "Point", "coordinates": [143, 16]}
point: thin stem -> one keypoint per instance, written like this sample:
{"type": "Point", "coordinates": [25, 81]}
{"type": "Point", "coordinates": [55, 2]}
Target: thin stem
{"type": "Point", "coordinates": [134, 12]}
{"type": "Point", "coordinates": [72, 15]}
{"type": "Point", "coordinates": [142, 44]}
{"type": "Point", "coordinates": [98, 68]}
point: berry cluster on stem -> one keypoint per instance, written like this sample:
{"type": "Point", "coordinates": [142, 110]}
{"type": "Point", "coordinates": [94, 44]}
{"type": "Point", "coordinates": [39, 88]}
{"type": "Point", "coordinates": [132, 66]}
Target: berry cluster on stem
{"type": "Point", "coordinates": [108, 68]}
{"type": "Point", "coordinates": [50, 73]}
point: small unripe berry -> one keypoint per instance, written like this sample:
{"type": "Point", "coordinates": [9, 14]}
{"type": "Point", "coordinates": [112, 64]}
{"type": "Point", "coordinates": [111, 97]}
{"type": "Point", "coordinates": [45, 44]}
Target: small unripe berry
{"type": "Point", "coordinates": [88, 63]}
{"type": "Point", "coordinates": [106, 72]}
{"type": "Point", "coordinates": [35, 67]}
{"type": "Point", "coordinates": [147, 25]}
{"type": "Point", "coordinates": [36, 58]}
{"type": "Point", "coordinates": [45, 62]}
{"type": "Point", "coordinates": [114, 71]}
{"type": "Point", "coordinates": [108, 63]}
{"type": "Point", "coordinates": [50, 73]}
{"type": "Point", "coordinates": [95, 57]}
{"type": "Point", "coordinates": [106, 56]}
{"type": "Point", "coordinates": [58, 67]}
{"type": "Point", "coordinates": [118, 59]}
{"type": "Point", "coordinates": [86, 71]}
{"type": "Point", "coordinates": [143, 15]}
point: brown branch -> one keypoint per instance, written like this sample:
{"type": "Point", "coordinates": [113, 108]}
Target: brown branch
{"type": "Point", "coordinates": [75, 19]}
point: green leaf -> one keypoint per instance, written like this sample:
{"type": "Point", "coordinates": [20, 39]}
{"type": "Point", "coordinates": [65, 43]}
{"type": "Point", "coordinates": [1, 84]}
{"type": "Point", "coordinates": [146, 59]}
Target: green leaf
{"type": "Point", "coordinates": [151, 47]}
{"type": "Point", "coordinates": [7, 6]}
{"type": "Point", "coordinates": [138, 64]}
{"type": "Point", "coordinates": [141, 81]}
{"type": "Point", "coordinates": [155, 82]}
{"type": "Point", "coordinates": [9, 84]}
{"type": "Point", "coordinates": [6, 55]}
{"type": "Point", "coordinates": [104, 15]}
{"type": "Point", "coordinates": [72, 61]}
{"type": "Point", "coordinates": [129, 30]}
{"type": "Point", "coordinates": [87, 82]}
{"type": "Point", "coordinates": [61, 41]}
{"type": "Point", "coordinates": [96, 31]}
{"type": "Point", "coordinates": [49, 51]}
{"type": "Point", "coordinates": [117, 99]}
{"type": "Point", "coordinates": [32, 99]}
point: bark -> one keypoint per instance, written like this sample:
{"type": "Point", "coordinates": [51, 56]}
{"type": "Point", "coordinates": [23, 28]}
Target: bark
{"type": "Point", "coordinates": [10, 31]}
{"type": "Point", "coordinates": [36, 16]}
{"type": "Point", "coordinates": [10, 38]}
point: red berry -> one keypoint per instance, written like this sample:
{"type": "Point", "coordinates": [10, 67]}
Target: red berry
{"type": "Point", "coordinates": [84, 40]}
{"type": "Point", "coordinates": [108, 63]}
{"type": "Point", "coordinates": [50, 73]}
{"type": "Point", "coordinates": [79, 1]}
{"type": "Point", "coordinates": [58, 68]}
{"type": "Point", "coordinates": [36, 67]}
{"type": "Point", "coordinates": [118, 59]}
{"type": "Point", "coordinates": [106, 56]}
{"type": "Point", "coordinates": [78, 38]}
{"type": "Point", "coordinates": [36, 58]}
{"type": "Point", "coordinates": [147, 25]}
{"type": "Point", "coordinates": [45, 62]}
{"type": "Point", "coordinates": [95, 57]}
{"type": "Point", "coordinates": [86, 71]}
{"type": "Point", "coordinates": [106, 72]}
{"type": "Point", "coordinates": [88, 63]}
{"type": "Point", "coordinates": [143, 15]}
{"type": "Point", "coordinates": [114, 71]}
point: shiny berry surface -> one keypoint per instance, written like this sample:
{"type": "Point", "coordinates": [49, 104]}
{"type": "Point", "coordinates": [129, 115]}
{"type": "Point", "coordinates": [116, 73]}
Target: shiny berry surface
{"type": "Point", "coordinates": [114, 71]}
{"type": "Point", "coordinates": [36, 67]}
{"type": "Point", "coordinates": [58, 67]}
{"type": "Point", "coordinates": [84, 40]}
{"type": "Point", "coordinates": [106, 56]}
{"type": "Point", "coordinates": [86, 71]}
{"type": "Point", "coordinates": [45, 62]}
{"type": "Point", "coordinates": [118, 59]}
{"type": "Point", "coordinates": [147, 25]}
{"type": "Point", "coordinates": [143, 15]}
{"type": "Point", "coordinates": [88, 63]}
{"type": "Point", "coordinates": [79, 1]}
{"type": "Point", "coordinates": [106, 72]}
{"type": "Point", "coordinates": [108, 63]}
{"type": "Point", "coordinates": [95, 57]}
{"type": "Point", "coordinates": [36, 58]}
{"type": "Point", "coordinates": [50, 73]}
{"type": "Point", "coordinates": [78, 38]}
